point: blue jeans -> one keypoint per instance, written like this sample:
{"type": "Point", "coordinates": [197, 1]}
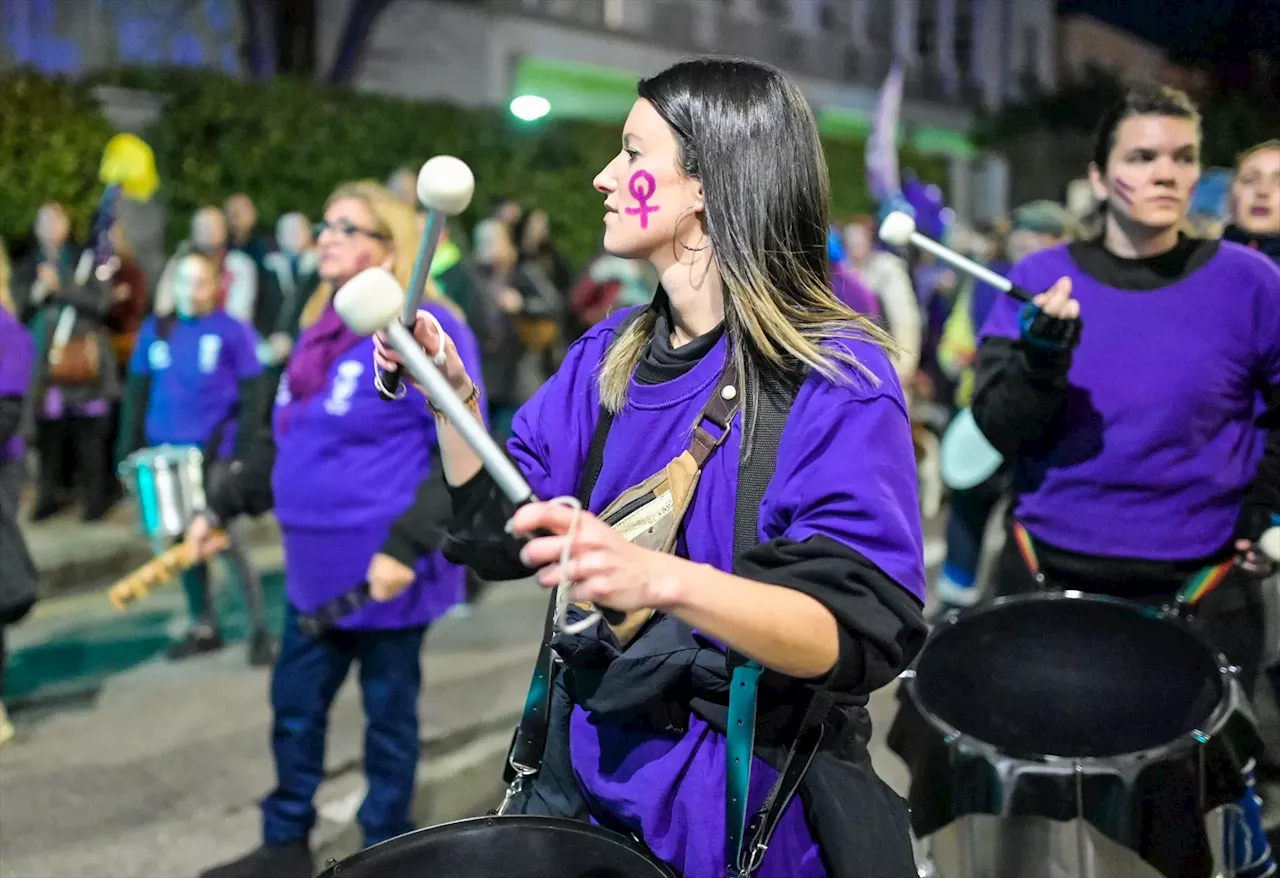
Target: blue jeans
{"type": "Point", "coordinates": [970, 511]}
{"type": "Point", "coordinates": [307, 676]}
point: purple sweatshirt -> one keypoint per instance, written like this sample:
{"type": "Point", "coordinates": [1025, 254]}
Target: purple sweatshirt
{"type": "Point", "coordinates": [845, 471]}
{"type": "Point", "coordinates": [17, 359]}
{"type": "Point", "coordinates": [348, 464]}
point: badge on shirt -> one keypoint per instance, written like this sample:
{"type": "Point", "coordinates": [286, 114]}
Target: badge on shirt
{"type": "Point", "coordinates": [344, 387]}
{"type": "Point", "coordinates": [158, 356]}
{"type": "Point", "coordinates": [210, 348]}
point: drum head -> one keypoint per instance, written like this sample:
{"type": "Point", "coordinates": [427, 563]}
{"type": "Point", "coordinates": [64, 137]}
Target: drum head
{"type": "Point", "coordinates": [1058, 675]}
{"type": "Point", "coordinates": [498, 847]}
{"type": "Point", "coordinates": [967, 458]}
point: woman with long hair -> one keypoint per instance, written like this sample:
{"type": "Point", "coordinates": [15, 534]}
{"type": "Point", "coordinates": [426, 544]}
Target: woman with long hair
{"type": "Point", "coordinates": [665, 421]}
{"type": "Point", "coordinates": [17, 573]}
{"type": "Point", "coordinates": [1130, 420]}
{"type": "Point", "coordinates": [359, 499]}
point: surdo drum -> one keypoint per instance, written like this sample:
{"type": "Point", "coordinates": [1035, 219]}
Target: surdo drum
{"type": "Point", "coordinates": [504, 847]}
{"type": "Point", "coordinates": [168, 484]}
{"type": "Point", "coordinates": [1072, 707]}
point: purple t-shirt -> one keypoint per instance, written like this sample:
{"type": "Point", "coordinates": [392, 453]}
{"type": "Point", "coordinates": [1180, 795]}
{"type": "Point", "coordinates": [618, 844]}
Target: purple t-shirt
{"type": "Point", "coordinates": [1159, 443]}
{"type": "Point", "coordinates": [195, 373]}
{"type": "Point", "coordinates": [17, 358]}
{"type": "Point", "coordinates": [845, 471]}
{"type": "Point", "coordinates": [348, 464]}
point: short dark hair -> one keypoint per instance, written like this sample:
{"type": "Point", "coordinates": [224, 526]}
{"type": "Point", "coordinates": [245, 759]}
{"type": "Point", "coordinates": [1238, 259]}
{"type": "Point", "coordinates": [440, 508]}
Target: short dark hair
{"type": "Point", "coordinates": [1154, 100]}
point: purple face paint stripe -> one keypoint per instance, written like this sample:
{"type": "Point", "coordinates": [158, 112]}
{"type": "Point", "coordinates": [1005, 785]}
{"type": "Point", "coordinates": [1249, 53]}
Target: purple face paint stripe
{"type": "Point", "coordinates": [642, 194]}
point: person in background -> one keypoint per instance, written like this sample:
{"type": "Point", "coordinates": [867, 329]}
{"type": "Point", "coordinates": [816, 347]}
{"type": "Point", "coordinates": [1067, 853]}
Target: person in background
{"type": "Point", "coordinates": [1036, 226]}
{"type": "Point", "coordinates": [194, 380]}
{"type": "Point", "coordinates": [17, 572]}
{"type": "Point", "coordinates": [496, 260]}
{"type": "Point", "coordinates": [1255, 200]}
{"type": "Point", "coordinates": [242, 229]}
{"type": "Point", "coordinates": [403, 184]}
{"type": "Point", "coordinates": [542, 279]}
{"type": "Point", "coordinates": [609, 283]}
{"type": "Point", "coordinates": [294, 271]}
{"type": "Point", "coordinates": [502, 211]}
{"type": "Point", "coordinates": [845, 283]}
{"type": "Point", "coordinates": [356, 485]}
{"type": "Point", "coordinates": [129, 304]}
{"type": "Point", "coordinates": [76, 376]}
{"type": "Point", "coordinates": [1255, 211]}
{"type": "Point", "coordinates": [238, 274]}
{"type": "Point", "coordinates": [886, 275]}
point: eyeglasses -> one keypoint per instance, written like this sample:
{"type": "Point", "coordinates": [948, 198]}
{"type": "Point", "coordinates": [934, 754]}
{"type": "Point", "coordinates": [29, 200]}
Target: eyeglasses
{"type": "Point", "coordinates": [347, 229]}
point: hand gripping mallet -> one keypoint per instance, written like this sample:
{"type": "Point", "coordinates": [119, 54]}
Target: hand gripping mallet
{"type": "Point", "coordinates": [371, 302]}
{"type": "Point", "coordinates": [899, 230]}
{"type": "Point", "coordinates": [445, 187]}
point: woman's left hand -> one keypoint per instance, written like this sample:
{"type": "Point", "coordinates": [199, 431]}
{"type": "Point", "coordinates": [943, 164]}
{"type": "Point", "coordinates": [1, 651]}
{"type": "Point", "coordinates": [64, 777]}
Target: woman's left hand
{"type": "Point", "coordinates": [1251, 558]}
{"type": "Point", "coordinates": [605, 568]}
{"type": "Point", "coordinates": [388, 578]}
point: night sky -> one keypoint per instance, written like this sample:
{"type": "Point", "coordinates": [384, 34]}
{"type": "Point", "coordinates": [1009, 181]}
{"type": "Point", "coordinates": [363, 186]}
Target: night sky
{"type": "Point", "coordinates": [1208, 30]}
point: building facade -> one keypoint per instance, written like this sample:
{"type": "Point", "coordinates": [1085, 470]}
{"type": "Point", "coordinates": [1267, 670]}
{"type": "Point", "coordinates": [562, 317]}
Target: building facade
{"type": "Point", "coordinates": [960, 56]}
{"type": "Point", "coordinates": [1084, 42]}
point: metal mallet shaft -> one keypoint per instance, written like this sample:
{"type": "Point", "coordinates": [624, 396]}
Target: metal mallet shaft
{"type": "Point", "coordinates": [899, 229]}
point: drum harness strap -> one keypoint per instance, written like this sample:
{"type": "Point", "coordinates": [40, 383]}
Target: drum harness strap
{"type": "Point", "coordinates": [1204, 581]}
{"type": "Point", "coordinates": [746, 842]}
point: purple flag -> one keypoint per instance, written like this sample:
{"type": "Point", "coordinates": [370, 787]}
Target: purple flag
{"type": "Point", "coordinates": [882, 145]}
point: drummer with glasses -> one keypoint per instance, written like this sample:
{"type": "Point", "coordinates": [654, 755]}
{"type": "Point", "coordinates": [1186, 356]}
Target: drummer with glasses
{"type": "Point", "coordinates": [194, 379]}
{"type": "Point", "coordinates": [1131, 398]}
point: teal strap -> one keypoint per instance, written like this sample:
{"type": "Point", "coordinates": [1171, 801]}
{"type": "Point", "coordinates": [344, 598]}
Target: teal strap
{"type": "Point", "coordinates": [741, 740]}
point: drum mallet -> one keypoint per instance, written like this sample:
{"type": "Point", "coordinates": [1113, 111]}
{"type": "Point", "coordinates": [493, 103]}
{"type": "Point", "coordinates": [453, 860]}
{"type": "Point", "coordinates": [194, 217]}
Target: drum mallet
{"type": "Point", "coordinates": [1269, 543]}
{"type": "Point", "coordinates": [445, 187]}
{"type": "Point", "coordinates": [899, 229]}
{"type": "Point", "coordinates": [371, 302]}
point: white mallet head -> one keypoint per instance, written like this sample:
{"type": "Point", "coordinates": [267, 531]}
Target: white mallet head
{"type": "Point", "coordinates": [370, 301]}
{"type": "Point", "coordinates": [897, 228]}
{"type": "Point", "coordinates": [1269, 543]}
{"type": "Point", "coordinates": [445, 185]}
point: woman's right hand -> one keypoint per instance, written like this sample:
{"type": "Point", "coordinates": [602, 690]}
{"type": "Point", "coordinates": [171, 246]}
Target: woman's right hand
{"type": "Point", "coordinates": [432, 340]}
{"type": "Point", "coordinates": [1057, 301]}
{"type": "Point", "coordinates": [205, 542]}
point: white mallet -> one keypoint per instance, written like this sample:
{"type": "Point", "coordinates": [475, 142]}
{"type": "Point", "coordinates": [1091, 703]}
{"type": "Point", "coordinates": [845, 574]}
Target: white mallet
{"type": "Point", "coordinates": [371, 302]}
{"type": "Point", "coordinates": [899, 230]}
{"type": "Point", "coordinates": [1269, 543]}
{"type": "Point", "coordinates": [445, 187]}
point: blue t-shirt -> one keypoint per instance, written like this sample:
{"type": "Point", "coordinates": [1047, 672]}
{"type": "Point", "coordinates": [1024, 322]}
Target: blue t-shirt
{"type": "Point", "coordinates": [195, 372]}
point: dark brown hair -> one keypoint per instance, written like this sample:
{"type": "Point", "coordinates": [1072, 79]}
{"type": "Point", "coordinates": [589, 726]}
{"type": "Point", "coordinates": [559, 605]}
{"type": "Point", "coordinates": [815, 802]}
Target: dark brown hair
{"type": "Point", "coordinates": [1159, 100]}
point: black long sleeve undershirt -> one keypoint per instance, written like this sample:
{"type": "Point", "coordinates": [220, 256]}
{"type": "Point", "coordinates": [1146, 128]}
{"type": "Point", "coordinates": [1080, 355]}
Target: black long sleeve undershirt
{"type": "Point", "coordinates": [1019, 391]}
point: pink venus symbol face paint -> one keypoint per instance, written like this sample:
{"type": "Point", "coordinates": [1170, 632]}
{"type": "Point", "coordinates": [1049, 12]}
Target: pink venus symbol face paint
{"type": "Point", "coordinates": [641, 186]}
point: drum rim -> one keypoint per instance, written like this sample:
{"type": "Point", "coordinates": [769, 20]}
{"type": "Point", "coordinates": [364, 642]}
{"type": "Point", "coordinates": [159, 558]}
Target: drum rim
{"type": "Point", "coordinates": [952, 735]}
{"type": "Point", "coordinates": [174, 450]}
{"type": "Point", "coordinates": [565, 823]}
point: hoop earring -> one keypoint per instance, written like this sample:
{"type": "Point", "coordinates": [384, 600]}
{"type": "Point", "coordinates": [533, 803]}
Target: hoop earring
{"type": "Point", "coordinates": [682, 243]}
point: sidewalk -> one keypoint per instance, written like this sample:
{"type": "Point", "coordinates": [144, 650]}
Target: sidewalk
{"type": "Point", "coordinates": [157, 772]}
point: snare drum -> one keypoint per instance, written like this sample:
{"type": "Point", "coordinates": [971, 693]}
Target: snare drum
{"type": "Point", "coordinates": [504, 847]}
{"type": "Point", "coordinates": [168, 483]}
{"type": "Point", "coordinates": [1067, 707]}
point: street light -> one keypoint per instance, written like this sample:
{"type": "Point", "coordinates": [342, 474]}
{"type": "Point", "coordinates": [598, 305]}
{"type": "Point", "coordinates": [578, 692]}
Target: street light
{"type": "Point", "coordinates": [530, 107]}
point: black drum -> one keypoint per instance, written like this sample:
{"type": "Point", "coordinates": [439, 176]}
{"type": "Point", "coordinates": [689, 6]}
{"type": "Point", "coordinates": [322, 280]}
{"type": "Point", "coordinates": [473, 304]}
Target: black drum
{"type": "Point", "coordinates": [1065, 706]}
{"type": "Point", "coordinates": [504, 847]}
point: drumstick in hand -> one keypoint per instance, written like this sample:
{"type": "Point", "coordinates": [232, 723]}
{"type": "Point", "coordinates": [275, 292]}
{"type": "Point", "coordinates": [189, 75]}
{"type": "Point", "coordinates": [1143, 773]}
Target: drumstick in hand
{"type": "Point", "coordinates": [156, 572]}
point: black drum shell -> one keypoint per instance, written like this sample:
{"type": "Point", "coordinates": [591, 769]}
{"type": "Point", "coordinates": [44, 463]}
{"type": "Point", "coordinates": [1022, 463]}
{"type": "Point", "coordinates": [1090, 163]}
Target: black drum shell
{"type": "Point", "coordinates": [504, 847]}
{"type": "Point", "coordinates": [1128, 796]}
